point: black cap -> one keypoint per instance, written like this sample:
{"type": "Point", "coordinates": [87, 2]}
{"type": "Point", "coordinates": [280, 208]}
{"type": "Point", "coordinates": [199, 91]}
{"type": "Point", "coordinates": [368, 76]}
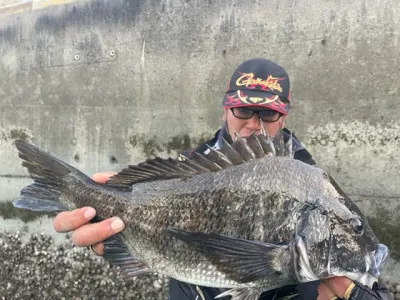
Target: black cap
{"type": "Point", "coordinates": [259, 82]}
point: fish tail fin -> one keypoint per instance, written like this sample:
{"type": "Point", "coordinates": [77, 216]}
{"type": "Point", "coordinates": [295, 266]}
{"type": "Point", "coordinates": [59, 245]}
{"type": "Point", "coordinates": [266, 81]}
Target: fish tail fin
{"type": "Point", "coordinates": [47, 173]}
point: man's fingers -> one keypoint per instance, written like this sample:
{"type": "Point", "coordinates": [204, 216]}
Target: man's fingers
{"type": "Point", "coordinates": [98, 249]}
{"type": "Point", "coordinates": [324, 292]}
{"type": "Point", "coordinates": [91, 234]}
{"type": "Point", "coordinates": [102, 177]}
{"type": "Point", "coordinates": [71, 220]}
{"type": "Point", "coordinates": [340, 286]}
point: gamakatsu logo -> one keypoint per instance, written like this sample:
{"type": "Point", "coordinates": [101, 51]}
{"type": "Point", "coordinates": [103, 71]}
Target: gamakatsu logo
{"type": "Point", "coordinates": [270, 83]}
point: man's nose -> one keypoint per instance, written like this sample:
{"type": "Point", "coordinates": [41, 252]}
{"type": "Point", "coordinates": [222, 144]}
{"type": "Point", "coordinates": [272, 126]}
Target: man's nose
{"type": "Point", "coordinates": [254, 123]}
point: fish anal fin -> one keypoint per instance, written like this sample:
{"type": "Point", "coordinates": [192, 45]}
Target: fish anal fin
{"type": "Point", "coordinates": [117, 254]}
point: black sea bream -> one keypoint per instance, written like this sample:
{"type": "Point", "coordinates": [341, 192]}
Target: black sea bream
{"type": "Point", "coordinates": [245, 217]}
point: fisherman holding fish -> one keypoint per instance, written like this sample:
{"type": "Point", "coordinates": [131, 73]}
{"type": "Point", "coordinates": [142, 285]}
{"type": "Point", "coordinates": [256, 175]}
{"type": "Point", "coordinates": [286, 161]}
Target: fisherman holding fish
{"type": "Point", "coordinates": [257, 100]}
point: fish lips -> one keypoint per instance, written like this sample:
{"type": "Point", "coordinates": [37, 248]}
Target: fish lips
{"type": "Point", "coordinates": [379, 260]}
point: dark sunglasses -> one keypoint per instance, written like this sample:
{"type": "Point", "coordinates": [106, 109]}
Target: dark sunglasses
{"type": "Point", "coordinates": [266, 115]}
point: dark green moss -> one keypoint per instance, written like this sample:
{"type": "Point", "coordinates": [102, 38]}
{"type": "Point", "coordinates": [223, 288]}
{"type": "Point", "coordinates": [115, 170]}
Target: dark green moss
{"type": "Point", "coordinates": [201, 139]}
{"type": "Point", "coordinates": [184, 142]}
{"type": "Point", "coordinates": [18, 134]}
{"type": "Point", "coordinates": [8, 211]}
{"type": "Point", "coordinates": [133, 140]}
{"type": "Point", "coordinates": [150, 147]}
{"type": "Point", "coordinates": [387, 233]}
{"type": "Point", "coordinates": [178, 143]}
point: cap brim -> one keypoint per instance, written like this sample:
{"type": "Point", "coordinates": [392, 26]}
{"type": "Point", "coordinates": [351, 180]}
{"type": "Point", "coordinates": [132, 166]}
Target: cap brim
{"type": "Point", "coordinates": [241, 98]}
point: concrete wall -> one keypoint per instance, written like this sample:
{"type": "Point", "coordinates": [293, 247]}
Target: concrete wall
{"type": "Point", "coordinates": [103, 83]}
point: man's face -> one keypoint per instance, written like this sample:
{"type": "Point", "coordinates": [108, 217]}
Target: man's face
{"type": "Point", "coordinates": [245, 127]}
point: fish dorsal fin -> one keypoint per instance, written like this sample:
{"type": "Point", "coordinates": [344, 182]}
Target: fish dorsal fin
{"type": "Point", "coordinates": [243, 149]}
{"type": "Point", "coordinates": [158, 169]}
{"type": "Point", "coordinates": [233, 155]}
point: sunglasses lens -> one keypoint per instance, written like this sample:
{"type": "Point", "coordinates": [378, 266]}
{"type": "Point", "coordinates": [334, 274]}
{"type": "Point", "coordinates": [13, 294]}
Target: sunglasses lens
{"type": "Point", "coordinates": [242, 112]}
{"type": "Point", "coordinates": [246, 113]}
{"type": "Point", "coordinates": [269, 115]}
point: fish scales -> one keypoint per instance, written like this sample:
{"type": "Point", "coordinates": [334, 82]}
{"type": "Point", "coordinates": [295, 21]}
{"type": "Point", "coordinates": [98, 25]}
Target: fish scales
{"type": "Point", "coordinates": [198, 206]}
{"type": "Point", "coordinates": [242, 218]}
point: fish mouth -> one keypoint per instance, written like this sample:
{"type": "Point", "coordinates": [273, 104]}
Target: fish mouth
{"type": "Point", "coordinates": [379, 259]}
{"type": "Point", "coordinates": [376, 260]}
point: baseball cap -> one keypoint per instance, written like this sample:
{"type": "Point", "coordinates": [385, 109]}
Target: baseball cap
{"type": "Point", "coordinates": [259, 82]}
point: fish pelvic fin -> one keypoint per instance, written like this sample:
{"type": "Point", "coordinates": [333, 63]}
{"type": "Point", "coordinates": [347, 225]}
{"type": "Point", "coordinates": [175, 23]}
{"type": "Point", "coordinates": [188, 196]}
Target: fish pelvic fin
{"type": "Point", "coordinates": [117, 253]}
{"type": "Point", "coordinates": [47, 173]}
{"type": "Point", "coordinates": [241, 260]}
{"type": "Point", "coordinates": [241, 294]}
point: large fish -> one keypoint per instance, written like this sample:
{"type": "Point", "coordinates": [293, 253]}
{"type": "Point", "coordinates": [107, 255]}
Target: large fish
{"type": "Point", "coordinates": [240, 217]}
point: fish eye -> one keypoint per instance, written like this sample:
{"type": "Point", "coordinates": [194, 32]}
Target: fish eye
{"type": "Point", "coordinates": [357, 226]}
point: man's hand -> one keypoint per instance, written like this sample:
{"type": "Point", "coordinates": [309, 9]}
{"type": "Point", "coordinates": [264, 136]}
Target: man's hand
{"type": "Point", "coordinates": [344, 288]}
{"type": "Point", "coordinates": [85, 233]}
{"type": "Point", "coordinates": [333, 287]}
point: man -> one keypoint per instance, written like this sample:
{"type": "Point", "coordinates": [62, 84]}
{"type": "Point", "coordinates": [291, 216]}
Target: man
{"type": "Point", "coordinates": [257, 99]}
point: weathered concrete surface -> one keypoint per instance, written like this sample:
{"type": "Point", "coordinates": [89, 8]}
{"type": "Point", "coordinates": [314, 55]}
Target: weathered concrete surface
{"type": "Point", "coordinates": [103, 83]}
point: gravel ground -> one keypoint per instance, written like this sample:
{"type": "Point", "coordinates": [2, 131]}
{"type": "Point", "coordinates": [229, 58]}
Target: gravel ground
{"type": "Point", "coordinates": [41, 269]}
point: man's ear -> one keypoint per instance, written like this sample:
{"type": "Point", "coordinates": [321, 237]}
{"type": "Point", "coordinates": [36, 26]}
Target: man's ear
{"type": "Point", "coordinates": [283, 119]}
{"type": "Point", "coordinates": [225, 114]}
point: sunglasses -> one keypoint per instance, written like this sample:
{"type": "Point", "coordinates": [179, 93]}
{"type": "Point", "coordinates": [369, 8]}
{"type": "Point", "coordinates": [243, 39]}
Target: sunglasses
{"type": "Point", "coordinates": [266, 115]}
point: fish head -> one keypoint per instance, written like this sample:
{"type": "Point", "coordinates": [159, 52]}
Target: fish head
{"type": "Point", "coordinates": [327, 245]}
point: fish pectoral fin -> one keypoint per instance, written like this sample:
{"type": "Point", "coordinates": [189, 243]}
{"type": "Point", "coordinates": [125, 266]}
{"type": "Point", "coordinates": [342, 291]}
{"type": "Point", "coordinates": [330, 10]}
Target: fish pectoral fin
{"type": "Point", "coordinates": [241, 260]}
{"type": "Point", "coordinates": [241, 294]}
{"type": "Point", "coordinates": [117, 254]}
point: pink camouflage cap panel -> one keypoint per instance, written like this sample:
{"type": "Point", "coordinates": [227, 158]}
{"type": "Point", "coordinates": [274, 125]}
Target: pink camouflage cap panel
{"type": "Point", "coordinates": [259, 82]}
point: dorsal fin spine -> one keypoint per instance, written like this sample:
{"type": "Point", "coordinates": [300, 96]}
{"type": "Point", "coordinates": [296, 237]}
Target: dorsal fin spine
{"type": "Point", "coordinates": [240, 151]}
